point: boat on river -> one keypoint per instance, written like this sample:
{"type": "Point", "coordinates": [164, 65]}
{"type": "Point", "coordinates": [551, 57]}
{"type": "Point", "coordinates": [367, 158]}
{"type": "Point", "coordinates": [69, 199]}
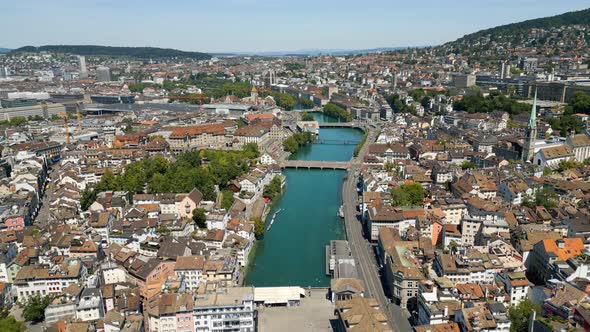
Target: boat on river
{"type": "Point", "coordinates": [341, 211]}
{"type": "Point", "coordinates": [273, 219]}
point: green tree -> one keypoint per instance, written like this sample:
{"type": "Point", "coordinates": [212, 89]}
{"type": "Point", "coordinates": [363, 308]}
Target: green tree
{"type": "Point", "coordinates": [567, 164]}
{"type": "Point", "coordinates": [259, 228]}
{"type": "Point", "coordinates": [227, 199]}
{"type": "Point", "coordinates": [336, 111]}
{"type": "Point", "coordinates": [359, 146]}
{"type": "Point", "coordinates": [251, 150]}
{"type": "Point", "coordinates": [408, 195]}
{"type": "Point", "coordinates": [519, 315]}
{"type": "Point", "coordinates": [306, 116]}
{"type": "Point", "coordinates": [273, 189]}
{"type": "Point", "coordinates": [10, 324]}
{"type": "Point", "coordinates": [305, 103]}
{"type": "Point", "coordinates": [468, 165]}
{"type": "Point", "coordinates": [545, 196]}
{"type": "Point", "coordinates": [162, 230]}
{"type": "Point", "coordinates": [87, 197]}
{"type": "Point", "coordinates": [566, 123]}
{"type": "Point", "coordinates": [287, 102]}
{"type": "Point", "coordinates": [200, 218]}
{"type": "Point", "coordinates": [417, 94]}
{"type": "Point", "coordinates": [580, 103]}
{"type": "Point", "coordinates": [297, 140]}
{"type": "Point", "coordinates": [34, 309]}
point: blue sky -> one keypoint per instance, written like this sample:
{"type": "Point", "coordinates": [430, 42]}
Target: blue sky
{"type": "Point", "coordinates": [260, 25]}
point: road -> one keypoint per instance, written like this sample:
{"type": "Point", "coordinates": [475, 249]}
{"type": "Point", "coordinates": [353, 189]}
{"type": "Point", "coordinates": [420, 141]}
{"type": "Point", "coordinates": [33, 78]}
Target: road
{"type": "Point", "coordinates": [362, 250]}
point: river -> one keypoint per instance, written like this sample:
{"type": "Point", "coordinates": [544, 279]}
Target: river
{"type": "Point", "coordinates": [292, 251]}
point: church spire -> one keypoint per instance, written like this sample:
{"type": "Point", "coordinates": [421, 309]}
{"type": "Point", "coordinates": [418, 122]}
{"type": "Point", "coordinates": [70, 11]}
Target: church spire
{"type": "Point", "coordinates": [533, 118]}
{"type": "Point", "coordinates": [530, 133]}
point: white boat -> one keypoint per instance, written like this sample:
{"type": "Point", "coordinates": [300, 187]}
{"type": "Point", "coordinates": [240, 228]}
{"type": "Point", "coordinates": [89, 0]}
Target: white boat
{"type": "Point", "coordinates": [273, 219]}
{"type": "Point", "coordinates": [341, 211]}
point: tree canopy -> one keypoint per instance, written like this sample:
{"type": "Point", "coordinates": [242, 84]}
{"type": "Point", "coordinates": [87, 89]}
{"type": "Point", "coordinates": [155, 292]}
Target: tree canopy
{"type": "Point", "coordinates": [477, 103]}
{"type": "Point", "coordinates": [408, 195]}
{"type": "Point", "coordinates": [305, 103]}
{"type": "Point", "coordinates": [10, 324]}
{"type": "Point", "coordinates": [200, 218]}
{"type": "Point", "coordinates": [273, 189]}
{"type": "Point", "coordinates": [158, 175]}
{"type": "Point", "coordinates": [545, 196]}
{"type": "Point", "coordinates": [259, 228]}
{"type": "Point", "coordinates": [293, 143]}
{"type": "Point", "coordinates": [34, 309]}
{"type": "Point", "coordinates": [306, 116]}
{"type": "Point", "coordinates": [519, 315]}
{"type": "Point", "coordinates": [336, 111]}
{"type": "Point", "coordinates": [227, 199]}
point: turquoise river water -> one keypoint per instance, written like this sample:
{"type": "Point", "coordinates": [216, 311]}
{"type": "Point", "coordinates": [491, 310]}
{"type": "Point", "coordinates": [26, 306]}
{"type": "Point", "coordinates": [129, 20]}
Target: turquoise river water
{"type": "Point", "coordinates": [292, 251]}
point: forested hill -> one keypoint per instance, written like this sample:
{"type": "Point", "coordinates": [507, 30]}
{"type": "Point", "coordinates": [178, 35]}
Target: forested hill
{"type": "Point", "coordinates": [131, 52]}
{"type": "Point", "coordinates": [581, 17]}
{"type": "Point", "coordinates": [545, 33]}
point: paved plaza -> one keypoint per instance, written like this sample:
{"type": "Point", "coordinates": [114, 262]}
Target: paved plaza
{"type": "Point", "coordinates": [314, 314]}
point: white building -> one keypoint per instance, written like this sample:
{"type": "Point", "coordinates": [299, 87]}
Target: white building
{"type": "Point", "coordinates": [32, 280]}
{"type": "Point", "coordinates": [228, 309]}
{"type": "Point", "coordinates": [90, 306]}
{"type": "Point", "coordinates": [189, 269]}
{"type": "Point", "coordinates": [266, 159]}
{"type": "Point", "coordinates": [515, 191]}
{"type": "Point", "coordinates": [112, 274]}
{"type": "Point", "coordinates": [551, 156]}
{"type": "Point", "coordinates": [580, 145]}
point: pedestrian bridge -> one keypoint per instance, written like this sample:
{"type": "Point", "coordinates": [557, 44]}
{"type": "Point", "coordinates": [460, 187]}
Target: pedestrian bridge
{"type": "Point", "coordinates": [312, 164]}
{"type": "Point", "coordinates": [340, 125]}
{"type": "Point", "coordinates": [335, 141]}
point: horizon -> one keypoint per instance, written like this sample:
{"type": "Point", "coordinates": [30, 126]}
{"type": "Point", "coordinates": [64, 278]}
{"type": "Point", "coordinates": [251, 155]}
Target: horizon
{"type": "Point", "coordinates": [345, 27]}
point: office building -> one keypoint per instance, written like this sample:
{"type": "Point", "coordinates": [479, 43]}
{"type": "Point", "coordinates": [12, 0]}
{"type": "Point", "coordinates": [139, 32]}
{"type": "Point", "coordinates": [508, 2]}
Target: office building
{"type": "Point", "coordinates": [82, 63]}
{"type": "Point", "coordinates": [116, 99]}
{"type": "Point", "coordinates": [464, 81]}
{"type": "Point", "coordinates": [103, 74]}
{"type": "Point", "coordinates": [31, 111]}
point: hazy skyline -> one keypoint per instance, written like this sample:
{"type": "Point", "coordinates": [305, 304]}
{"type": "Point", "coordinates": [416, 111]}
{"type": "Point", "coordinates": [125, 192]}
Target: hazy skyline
{"type": "Point", "coordinates": [260, 26]}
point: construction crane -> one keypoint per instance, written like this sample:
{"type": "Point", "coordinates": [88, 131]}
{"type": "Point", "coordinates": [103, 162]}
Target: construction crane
{"type": "Point", "coordinates": [190, 97]}
{"type": "Point", "coordinates": [76, 103]}
{"type": "Point", "coordinates": [64, 116]}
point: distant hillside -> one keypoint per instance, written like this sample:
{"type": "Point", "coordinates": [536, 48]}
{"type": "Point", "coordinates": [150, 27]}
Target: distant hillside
{"type": "Point", "coordinates": [581, 17]}
{"type": "Point", "coordinates": [132, 52]}
{"type": "Point", "coordinates": [567, 29]}
{"type": "Point", "coordinates": [4, 50]}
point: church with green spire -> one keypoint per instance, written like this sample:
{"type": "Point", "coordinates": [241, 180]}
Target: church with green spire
{"type": "Point", "coordinates": [531, 133]}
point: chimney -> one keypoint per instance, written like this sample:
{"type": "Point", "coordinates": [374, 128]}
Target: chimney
{"type": "Point", "coordinates": [561, 244]}
{"type": "Point", "coordinates": [446, 311]}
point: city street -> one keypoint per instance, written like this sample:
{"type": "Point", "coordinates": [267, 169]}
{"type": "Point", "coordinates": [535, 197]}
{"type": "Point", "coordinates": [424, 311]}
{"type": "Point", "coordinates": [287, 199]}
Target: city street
{"type": "Point", "coordinates": [362, 250]}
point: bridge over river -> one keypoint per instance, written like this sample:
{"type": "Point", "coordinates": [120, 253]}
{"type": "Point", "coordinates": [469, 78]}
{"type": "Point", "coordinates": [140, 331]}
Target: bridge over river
{"type": "Point", "coordinates": [355, 125]}
{"type": "Point", "coordinates": [313, 164]}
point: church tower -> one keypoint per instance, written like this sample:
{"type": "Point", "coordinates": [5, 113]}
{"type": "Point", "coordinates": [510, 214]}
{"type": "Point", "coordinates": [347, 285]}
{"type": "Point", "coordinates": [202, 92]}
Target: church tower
{"type": "Point", "coordinates": [531, 133]}
{"type": "Point", "coordinates": [254, 95]}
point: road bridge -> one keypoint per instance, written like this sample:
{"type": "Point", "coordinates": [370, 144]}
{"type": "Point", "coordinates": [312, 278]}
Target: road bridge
{"type": "Point", "coordinates": [341, 125]}
{"type": "Point", "coordinates": [335, 141]}
{"type": "Point", "coordinates": [313, 164]}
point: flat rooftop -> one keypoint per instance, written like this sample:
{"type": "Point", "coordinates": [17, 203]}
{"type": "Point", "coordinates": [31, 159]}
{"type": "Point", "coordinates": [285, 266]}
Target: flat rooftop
{"type": "Point", "coordinates": [226, 296]}
{"type": "Point", "coordinates": [315, 313]}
